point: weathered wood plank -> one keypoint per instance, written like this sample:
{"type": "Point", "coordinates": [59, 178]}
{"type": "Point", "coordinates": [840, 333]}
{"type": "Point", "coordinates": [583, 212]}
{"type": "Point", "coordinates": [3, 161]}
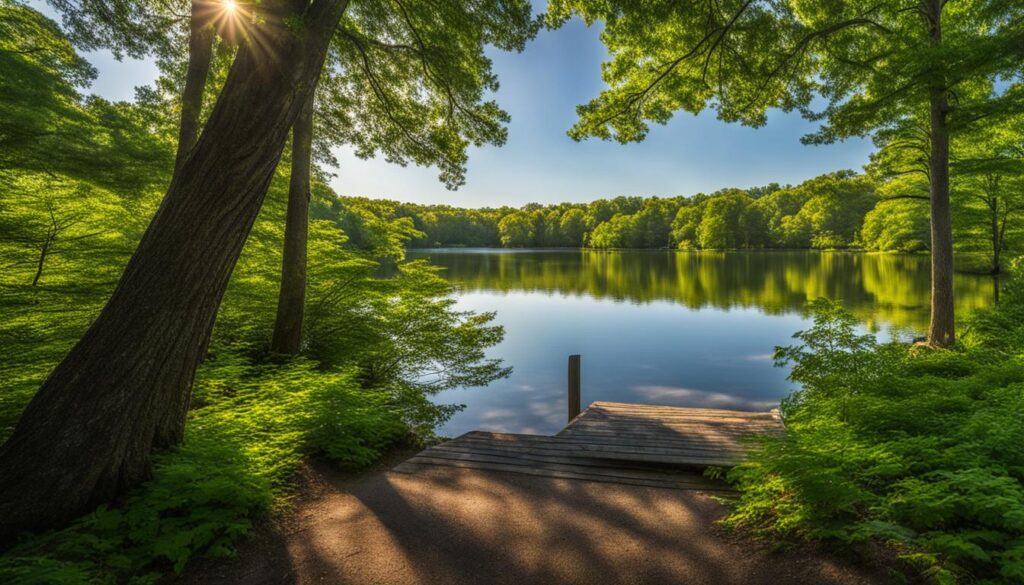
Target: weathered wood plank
{"type": "Point", "coordinates": [615, 442]}
{"type": "Point", "coordinates": [677, 457]}
{"type": "Point", "coordinates": [597, 472]}
{"type": "Point", "coordinates": [576, 437]}
{"type": "Point", "coordinates": [629, 406]}
{"type": "Point", "coordinates": [668, 433]}
{"type": "Point", "coordinates": [644, 425]}
{"type": "Point", "coordinates": [571, 446]}
{"type": "Point", "coordinates": [696, 483]}
{"type": "Point", "coordinates": [723, 422]}
{"type": "Point", "coordinates": [665, 434]}
{"type": "Point", "coordinates": [591, 451]}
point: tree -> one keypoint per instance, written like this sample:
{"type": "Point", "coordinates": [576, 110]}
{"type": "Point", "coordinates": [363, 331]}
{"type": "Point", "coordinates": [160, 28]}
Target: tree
{"type": "Point", "coordinates": [516, 230]}
{"type": "Point", "coordinates": [123, 390]}
{"type": "Point", "coordinates": [834, 209]}
{"type": "Point", "coordinates": [726, 219]}
{"type": "Point", "coordinates": [687, 220]}
{"type": "Point", "coordinates": [598, 212]}
{"type": "Point", "coordinates": [49, 224]}
{"type": "Point", "coordinates": [141, 28]}
{"type": "Point", "coordinates": [291, 301]}
{"type": "Point", "coordinates": [572, 227]}
{"type": "Point", "coordinates": [724, 222]}
{"type": "Point", "coordinates": [874, 63]}
{"type": "Point", "coordinates": [402, 82]}
{"type": "Point", "coordinates": [896, 225]}
{"type": "Point", "coordinates": [618, 232]}
{"type": "Point", "coordinates": [654, 222]}
{"type": "Point", "coordinates": [989, 164]}
{"type": "Point", "coordinates": [1002, 200]}
{"type": "Point", "coordinates": [200, 54]}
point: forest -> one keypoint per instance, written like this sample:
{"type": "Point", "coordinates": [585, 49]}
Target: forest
{"type": "Point", "coordinates": [190, 313]}
{"type": "Point", "coordinates": [841, 210]}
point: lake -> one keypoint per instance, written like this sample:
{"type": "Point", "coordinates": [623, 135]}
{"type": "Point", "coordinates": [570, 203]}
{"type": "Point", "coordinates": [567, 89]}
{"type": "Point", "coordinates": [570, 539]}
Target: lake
{"type": "Point", "coordinates": [666, 327]}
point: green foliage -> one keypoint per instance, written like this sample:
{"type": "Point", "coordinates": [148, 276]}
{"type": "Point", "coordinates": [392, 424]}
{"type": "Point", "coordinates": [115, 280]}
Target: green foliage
{"type": "Point", "coordinates": [899, 225]}
{"type": "Point", "coordinates": [382, 335]}
{"type": "Point", "coordinates": [249, 430]}
{"type": "Point", "coordinates": [873, 63]}
{"type": "Point", "coordinates": [921, 450]}
{"type": "Point", "coordinates": [573, 227]}
{"type": "Point", "coordinates": [133, 27]}
{"type": "Point", "coordinates": [825, 212]}
{"type": "Point", "coordinates": [378, 347]}
{"type": "Point", "coordinates": [409, 79]}
{"type": "Point", "coordinates": [42, 112]}
{"type": "Point", "coordinates": [988, 183]}
{"type": "Point", "coordinates": [517, 230]}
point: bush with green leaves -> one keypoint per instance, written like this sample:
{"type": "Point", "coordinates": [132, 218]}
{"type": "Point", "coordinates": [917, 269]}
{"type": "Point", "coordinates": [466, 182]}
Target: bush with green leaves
{"type": "Point", "coordinates": [250, 430]}
{"type": "Point", "coordinates": [917, 449]}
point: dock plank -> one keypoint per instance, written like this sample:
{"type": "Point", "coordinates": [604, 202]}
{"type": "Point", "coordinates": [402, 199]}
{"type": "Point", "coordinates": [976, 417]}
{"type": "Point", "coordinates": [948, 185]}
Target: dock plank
{"type": "Point", "coordinates": [670, 435]}
{"type": "Point", "coordinates": [660, 446]}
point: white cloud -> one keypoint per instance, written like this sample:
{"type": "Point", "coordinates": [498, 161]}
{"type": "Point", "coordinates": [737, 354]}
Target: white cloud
{"type": "Point", "coordinates": [702, 398]}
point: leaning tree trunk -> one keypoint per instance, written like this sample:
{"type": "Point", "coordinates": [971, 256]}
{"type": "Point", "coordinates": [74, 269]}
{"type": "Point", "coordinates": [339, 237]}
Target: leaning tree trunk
{"type": "Point", "coordinates": [124, 389]}
{"type": "Point", "coordinates": [287, 337]}
{"type": "Point", "coordinates": [941, 329]}
{"type": "Point", "coordinates": [200, 53]}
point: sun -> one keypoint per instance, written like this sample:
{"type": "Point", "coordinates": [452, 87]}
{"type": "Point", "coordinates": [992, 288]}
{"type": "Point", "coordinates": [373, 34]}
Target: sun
{"type": "Point", "coordinates": [230, 6]}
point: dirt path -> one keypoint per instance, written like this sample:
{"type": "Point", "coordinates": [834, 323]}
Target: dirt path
{"type": "Point", "coordinates": [458, 526]}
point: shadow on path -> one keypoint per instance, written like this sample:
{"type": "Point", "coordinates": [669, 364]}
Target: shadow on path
{"type": "Point", "coordinates": [451, 526]}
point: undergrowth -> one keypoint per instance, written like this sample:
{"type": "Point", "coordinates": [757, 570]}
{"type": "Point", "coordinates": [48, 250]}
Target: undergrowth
{"type": "Point", "coordinates": [246, 437]}
{"type": "Point", "coordinates": [918, 450]}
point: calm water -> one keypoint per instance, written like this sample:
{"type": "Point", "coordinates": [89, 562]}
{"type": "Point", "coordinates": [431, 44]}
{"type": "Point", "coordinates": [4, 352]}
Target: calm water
{"type": "Point", "coordinates": [680, 328]}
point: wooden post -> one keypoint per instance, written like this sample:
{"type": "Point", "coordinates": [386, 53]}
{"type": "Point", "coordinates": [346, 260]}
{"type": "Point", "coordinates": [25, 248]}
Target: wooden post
{"type": "Point", "coordinates": [574, 386]}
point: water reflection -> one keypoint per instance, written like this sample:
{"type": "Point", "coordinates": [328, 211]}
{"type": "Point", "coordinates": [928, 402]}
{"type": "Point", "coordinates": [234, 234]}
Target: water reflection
{"type": "Point", "coordinates": [885, 290]}
{"type": "Point", "coordinates": [684, 328]}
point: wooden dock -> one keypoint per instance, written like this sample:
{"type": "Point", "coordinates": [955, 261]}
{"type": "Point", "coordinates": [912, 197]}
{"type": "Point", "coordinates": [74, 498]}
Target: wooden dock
{"type": "Point", "coordinates": [659, 446]}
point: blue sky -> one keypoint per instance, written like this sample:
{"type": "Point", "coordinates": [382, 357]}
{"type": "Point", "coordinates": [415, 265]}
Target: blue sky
{"type": "Point", "coordinates": [540, 88]}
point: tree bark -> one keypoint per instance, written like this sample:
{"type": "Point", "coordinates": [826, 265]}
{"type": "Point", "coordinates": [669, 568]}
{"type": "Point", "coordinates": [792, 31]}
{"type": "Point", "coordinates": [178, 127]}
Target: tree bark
{"type": "Point", "coordinates": [941, 329]}
{"type": "Point", "coordinates": [287, 337]}
{"type": "Point", "coordinates": [200, 54]}
{"type": "Point", "coordinates": [124, 389]}
{"type": "Point", "coordinates": [997, 238]}
{"type": "Point", "coordinates": [44, 251]}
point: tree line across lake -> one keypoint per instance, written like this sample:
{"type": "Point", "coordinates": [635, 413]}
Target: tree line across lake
{"type": "Point", "coordinates": [838, 210]}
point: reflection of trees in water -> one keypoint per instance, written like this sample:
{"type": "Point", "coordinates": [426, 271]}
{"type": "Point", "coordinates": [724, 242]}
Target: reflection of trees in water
{"type": "Point", "coordinates": [882, 289]}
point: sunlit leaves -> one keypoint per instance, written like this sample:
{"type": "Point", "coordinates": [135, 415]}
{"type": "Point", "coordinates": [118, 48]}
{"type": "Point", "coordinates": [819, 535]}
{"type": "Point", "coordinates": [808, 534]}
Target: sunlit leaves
{"type": "Point", "coordinates": [872, 62]}
{"type": "Point", "coordinates": [409, 79]}
{"type": "Point", "coordinates": [42, 112]}
{"type": "Point", "coordinates": [918, 450]}
{"type": "Point", "coordinates": [126, 27]}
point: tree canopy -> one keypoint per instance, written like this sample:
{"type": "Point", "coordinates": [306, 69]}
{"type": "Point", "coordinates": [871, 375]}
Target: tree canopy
{"type": "Point", "coordinates": [859, 67]}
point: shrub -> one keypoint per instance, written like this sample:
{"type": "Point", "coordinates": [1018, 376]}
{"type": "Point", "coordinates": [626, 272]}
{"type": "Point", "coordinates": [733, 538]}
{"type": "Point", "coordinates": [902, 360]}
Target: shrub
{"type": "Point", "coordinates": [921, 450]}
{"type": "Point", "coordinates": [253, 426]}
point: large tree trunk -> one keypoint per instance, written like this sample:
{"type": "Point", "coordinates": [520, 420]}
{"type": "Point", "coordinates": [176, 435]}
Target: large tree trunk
{"type": "Point", "coordinates": [287, 337]}
{"type": "Point", "coordinates": [941, 331]}
{"type": "Point", "coordinates": [200, 53]}
{"type": "Point", "coordinates": [124, 389]}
